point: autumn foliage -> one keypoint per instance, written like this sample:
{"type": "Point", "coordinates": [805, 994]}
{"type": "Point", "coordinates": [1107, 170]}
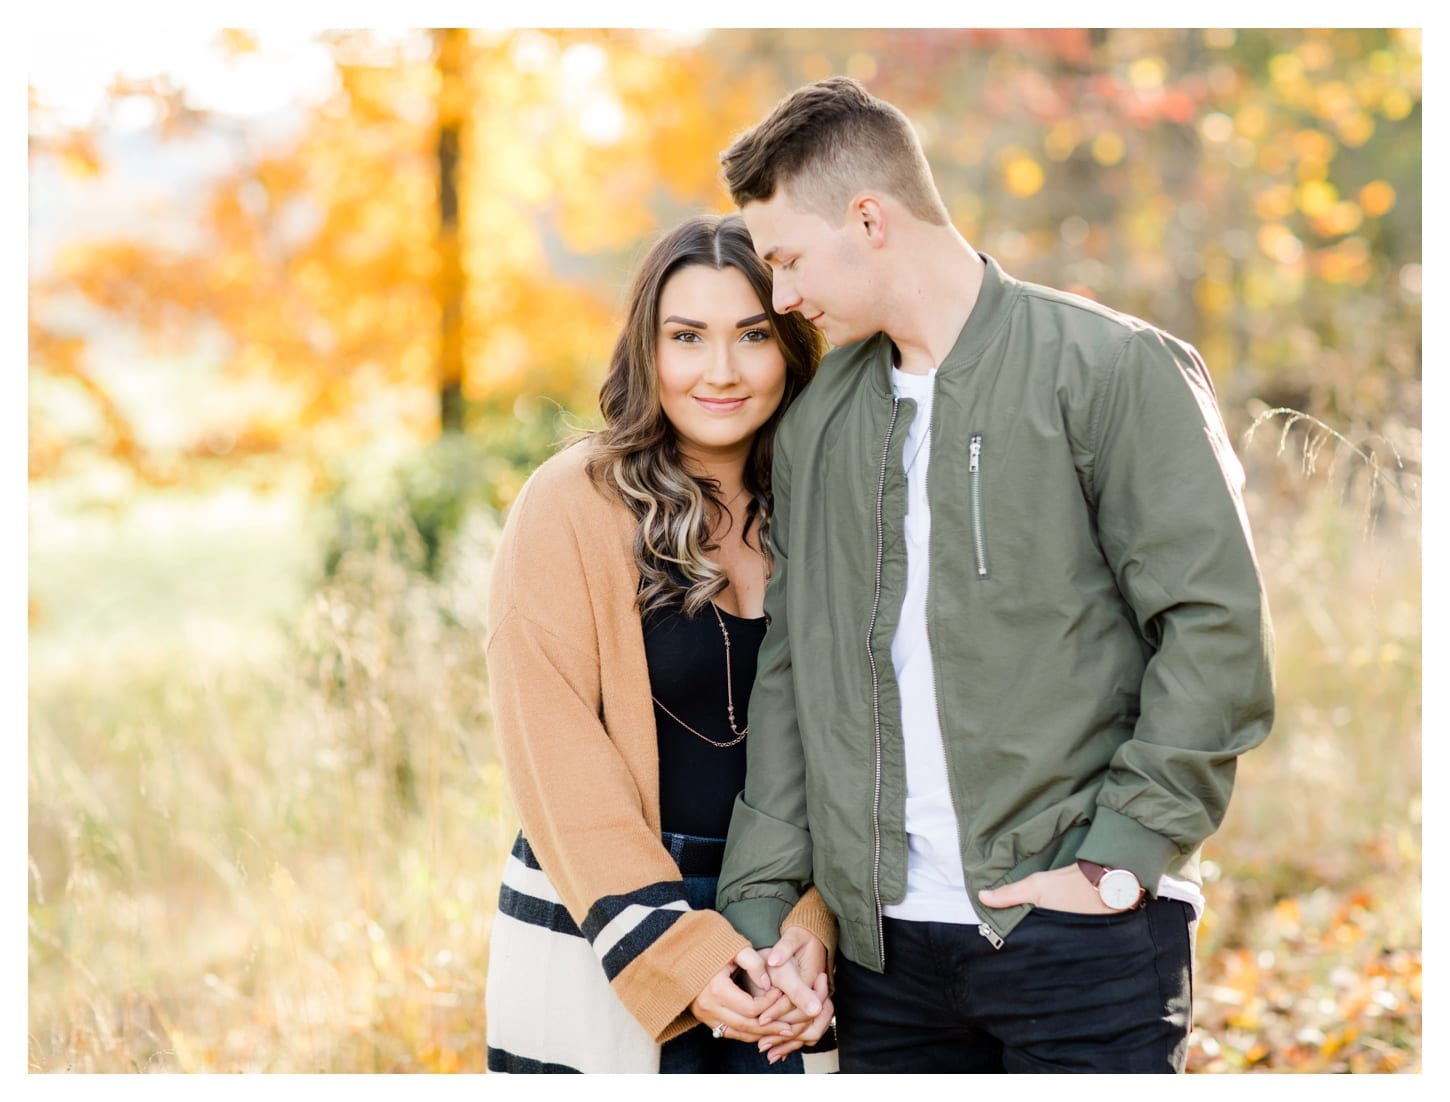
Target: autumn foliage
{"type": "Point", "coordinates": [1257, 192]}
{"type": "Point", "coordinates": [284, 860]}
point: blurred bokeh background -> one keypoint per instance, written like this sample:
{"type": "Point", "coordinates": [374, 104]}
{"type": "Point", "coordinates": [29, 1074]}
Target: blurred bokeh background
{"type": "Point", "coordinates": [305, 309]}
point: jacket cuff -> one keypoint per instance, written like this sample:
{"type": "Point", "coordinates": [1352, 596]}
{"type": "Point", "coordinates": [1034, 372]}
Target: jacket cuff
{"type": "Point", "coordinates": [1120, 842]}
{"type": "Point", "coordinates": [758, 919]}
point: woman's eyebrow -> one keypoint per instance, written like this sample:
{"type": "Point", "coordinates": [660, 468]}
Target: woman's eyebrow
{"type": "Point", "coordinates": [754, 319]}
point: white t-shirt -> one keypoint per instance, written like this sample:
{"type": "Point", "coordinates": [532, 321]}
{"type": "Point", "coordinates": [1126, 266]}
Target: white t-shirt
{"type": "Point", "coordinates": [935, 888]}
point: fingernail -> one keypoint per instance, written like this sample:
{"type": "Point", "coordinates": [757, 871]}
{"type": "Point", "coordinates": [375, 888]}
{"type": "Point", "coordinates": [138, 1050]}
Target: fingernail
{"type": "Point", "coordinates": [814, 1008]}
{"type": "Point", "coordinates": [774, 960]}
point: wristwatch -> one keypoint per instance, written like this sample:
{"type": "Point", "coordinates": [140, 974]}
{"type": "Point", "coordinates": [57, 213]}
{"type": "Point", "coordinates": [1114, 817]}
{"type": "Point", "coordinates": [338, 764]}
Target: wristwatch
{"type": "Point", "coordinates": [1117, 888]}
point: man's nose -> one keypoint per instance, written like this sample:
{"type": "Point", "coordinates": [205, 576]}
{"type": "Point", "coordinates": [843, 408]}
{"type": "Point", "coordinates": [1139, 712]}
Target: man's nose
{"type": "Point", "coordinates": [783, 295]}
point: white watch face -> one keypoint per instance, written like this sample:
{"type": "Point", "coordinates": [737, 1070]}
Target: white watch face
{"type": "Point", "coordinates": [1119, 889]}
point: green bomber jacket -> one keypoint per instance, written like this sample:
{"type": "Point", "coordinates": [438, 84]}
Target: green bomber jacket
{"type": "Point", "coordinates": [1100, 636]}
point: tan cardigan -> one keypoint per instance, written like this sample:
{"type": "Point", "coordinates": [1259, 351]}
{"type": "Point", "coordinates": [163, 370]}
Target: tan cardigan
{"type": "Point", "coordinates": [575, 728]}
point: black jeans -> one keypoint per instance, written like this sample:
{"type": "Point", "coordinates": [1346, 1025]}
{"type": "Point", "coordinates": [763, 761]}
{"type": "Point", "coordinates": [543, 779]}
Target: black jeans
{"type": "Point", "coordinates": [1064, 993]}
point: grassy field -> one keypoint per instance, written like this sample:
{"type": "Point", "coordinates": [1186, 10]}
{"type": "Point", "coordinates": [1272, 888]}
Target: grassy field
{"type": "Point", "coordinates": [266, 822]}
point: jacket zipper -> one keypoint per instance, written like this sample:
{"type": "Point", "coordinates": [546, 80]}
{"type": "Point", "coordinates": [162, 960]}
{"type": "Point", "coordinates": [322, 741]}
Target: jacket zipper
{"type": "Point", "coordinates": [974, 484]}
{"type": "Point", "coordinates": [930, 575]}
{"type": "Point", "coordinates": [974, 464]}
{"type": "Point", "coordinates": [979, 544]}
{"type": "Point", "coordinates": [876, 685]}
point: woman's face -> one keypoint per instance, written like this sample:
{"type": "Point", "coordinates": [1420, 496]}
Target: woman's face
{"type": "Point", "coordinates": [721, 370]}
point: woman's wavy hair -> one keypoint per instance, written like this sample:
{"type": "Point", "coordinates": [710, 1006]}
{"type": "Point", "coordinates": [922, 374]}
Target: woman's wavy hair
{"type": "Point", "coordinates": [637, 451]}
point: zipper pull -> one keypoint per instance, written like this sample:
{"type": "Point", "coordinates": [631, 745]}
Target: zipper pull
{"type": "Point", "coordinates": [991, 935]}
{"type": "Point", "coordinates": [975, 451]}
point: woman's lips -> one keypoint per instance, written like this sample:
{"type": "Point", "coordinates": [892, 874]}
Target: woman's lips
{"type": "Point", "coordinates": [721, 405]}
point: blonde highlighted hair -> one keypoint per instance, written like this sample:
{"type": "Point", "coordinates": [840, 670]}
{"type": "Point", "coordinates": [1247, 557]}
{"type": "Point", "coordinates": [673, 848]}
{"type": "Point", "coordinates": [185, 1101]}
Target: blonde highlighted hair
{"type": "Point", "coordinates": [637, 451]}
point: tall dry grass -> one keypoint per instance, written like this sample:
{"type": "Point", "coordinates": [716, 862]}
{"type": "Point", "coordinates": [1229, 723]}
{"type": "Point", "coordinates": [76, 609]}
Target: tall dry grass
{"type": "Point", "coordinates": [1310, 952]}
{"type": "Point", "coordinates": [240, 861]}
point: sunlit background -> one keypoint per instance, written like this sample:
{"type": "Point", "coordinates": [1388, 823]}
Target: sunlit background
{"type": "Point", "coordinates": [306, 308]}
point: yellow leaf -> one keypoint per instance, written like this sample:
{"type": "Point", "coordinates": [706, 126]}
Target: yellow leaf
{"type": "Point", "coordinates": [235, 42]}
{"type": "Point", "coordinates": [1024, 176]}
{"type": "Point", "coordinates": [1108, 148]}
{"type": "Point", "coordinates": [1377, 197]}
{"type": "Point", "coordinates": [1316, 197]}
{"type": "Point", "coordinates": [79, 165]}
{"type": "Point", "coordinates": [1274, 203]}
{"type": "Point", "coordinates": [1355, 128]}
{"type": "Point", "coordinates": [1344, 217]}
{"type": "Point", "coordinates": [1060, 140]}
{"type": "Point", "coordinates": [1397, 104]}
{"type": "Point", "coordinates": [1287, 912]}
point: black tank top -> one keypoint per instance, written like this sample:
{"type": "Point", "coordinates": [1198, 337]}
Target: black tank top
{"type": "Point", "coordinates": [686, 658]}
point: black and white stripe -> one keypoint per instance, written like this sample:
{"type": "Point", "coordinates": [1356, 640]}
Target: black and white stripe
{"type": "Point", "coordinates": [619, 927]}
{"type": "Point", "coordinates": [550, 1006]}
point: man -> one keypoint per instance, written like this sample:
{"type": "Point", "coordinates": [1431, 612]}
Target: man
{"type": "Point", "coordinates": [1018, 635]}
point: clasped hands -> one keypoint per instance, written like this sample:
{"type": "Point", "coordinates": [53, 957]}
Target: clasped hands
{"type": "Point", "coordinates": [784, 1003]}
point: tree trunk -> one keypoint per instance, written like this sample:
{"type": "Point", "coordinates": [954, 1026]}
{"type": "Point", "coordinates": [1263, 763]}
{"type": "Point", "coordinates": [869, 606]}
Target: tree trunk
{"type": "Point", "coordinates": [451, 100]}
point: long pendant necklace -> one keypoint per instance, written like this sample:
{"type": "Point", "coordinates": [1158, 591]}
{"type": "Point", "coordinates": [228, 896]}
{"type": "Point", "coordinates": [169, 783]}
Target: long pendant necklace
{"type": "Point", "coordinates": [729, 697]}
{"type": "Point", "coordinates": [925, 440]}
{"type": "Point", "coordinates": [921, 407]}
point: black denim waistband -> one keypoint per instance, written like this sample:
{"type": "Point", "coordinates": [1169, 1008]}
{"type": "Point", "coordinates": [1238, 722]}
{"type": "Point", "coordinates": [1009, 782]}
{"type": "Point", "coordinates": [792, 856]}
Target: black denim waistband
{"type": "Point", "coordinates": [694, 855]}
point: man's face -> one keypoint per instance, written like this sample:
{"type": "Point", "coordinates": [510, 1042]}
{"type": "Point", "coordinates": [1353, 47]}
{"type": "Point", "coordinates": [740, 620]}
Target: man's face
{"type": "Point", "coordinates": [820, 270]}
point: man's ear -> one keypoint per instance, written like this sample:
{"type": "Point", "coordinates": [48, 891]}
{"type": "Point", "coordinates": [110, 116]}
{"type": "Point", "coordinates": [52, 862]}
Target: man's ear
{"type": "Point", "coordinates": [868, 213]}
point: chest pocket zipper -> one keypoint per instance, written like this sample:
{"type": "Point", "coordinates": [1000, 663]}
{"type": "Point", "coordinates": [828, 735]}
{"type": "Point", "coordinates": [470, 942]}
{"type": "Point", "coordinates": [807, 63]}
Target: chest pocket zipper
{"type": "Point", "coordinates": [974, 491]}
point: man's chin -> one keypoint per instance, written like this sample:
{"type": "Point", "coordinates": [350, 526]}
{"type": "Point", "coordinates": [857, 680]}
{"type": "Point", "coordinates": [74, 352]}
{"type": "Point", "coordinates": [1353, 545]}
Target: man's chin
{"type": "Point", "coordinates": [837, 335]}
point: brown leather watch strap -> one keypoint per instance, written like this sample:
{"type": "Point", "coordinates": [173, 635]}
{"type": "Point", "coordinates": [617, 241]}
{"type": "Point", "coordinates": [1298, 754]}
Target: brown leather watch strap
{"type": "Point", "coordinates": [1092, 870]}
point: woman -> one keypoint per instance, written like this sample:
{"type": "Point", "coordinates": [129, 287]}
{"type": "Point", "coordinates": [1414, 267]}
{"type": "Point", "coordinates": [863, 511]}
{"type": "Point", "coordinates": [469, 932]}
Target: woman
{"type": "Point", "coordinates": [625, 613]}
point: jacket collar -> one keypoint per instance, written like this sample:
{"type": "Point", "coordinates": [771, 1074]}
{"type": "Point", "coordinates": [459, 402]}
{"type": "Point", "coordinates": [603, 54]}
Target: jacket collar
{"type": "Point", "coordinates": [993, 307]}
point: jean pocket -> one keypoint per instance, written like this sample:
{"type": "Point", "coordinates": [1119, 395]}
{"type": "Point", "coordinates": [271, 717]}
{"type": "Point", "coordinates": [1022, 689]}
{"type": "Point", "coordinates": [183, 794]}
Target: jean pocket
{"type": "Point", "coordinates": [1080, 920]}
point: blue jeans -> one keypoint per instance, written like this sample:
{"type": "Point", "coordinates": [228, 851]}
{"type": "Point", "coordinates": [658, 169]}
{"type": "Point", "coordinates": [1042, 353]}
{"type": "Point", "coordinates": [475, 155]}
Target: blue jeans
{"type": "Point", "coordinates": [696, 1050]}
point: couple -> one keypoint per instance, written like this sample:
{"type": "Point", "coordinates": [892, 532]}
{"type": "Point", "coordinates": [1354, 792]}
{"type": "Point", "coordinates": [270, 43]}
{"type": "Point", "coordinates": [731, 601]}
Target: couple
{"type": "Point", "coordinates": [879, 719]}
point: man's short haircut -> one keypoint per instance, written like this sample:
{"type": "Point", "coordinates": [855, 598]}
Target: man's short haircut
{"type": "Point", "coordinates": [826, 143]}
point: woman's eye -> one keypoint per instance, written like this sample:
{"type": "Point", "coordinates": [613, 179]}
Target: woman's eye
{"type": "Point", "coordinates": [755, 336]}
{"type": "Point", "coordinates": [685, 336]}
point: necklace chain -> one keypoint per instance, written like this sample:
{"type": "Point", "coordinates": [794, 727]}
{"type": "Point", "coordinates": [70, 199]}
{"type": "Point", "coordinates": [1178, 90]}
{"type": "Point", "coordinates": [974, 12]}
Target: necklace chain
{"type": "Point", "coordinates": [729, 696]}
{"type": "Point", "coordinates": [725, 508]}
{"type": "Point", "coordinates": [925, 440]}
{"type": "Point", "coordinates": [926, 434]}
